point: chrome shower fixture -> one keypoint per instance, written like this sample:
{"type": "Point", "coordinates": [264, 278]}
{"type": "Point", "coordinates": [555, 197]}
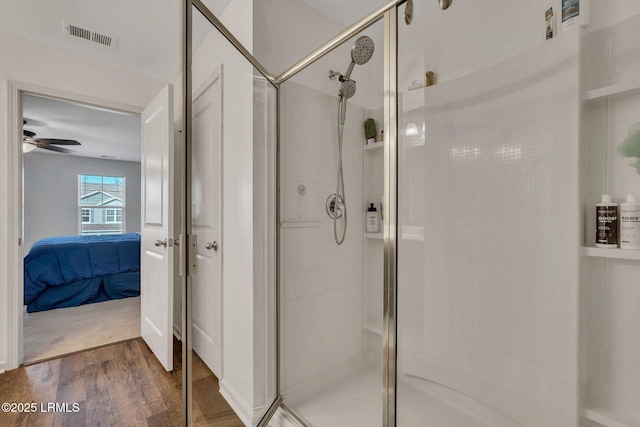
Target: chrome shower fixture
{"type": "Point", "coordinates": [444, 4]}
{"type": "Point", "coordinates": [335, 206]}
{"type": "Point", "coordinates": [347, 88]}
{"type": "Point", "coordinates": [336, 75]}
{"type": "Point", "coordinates": [361, 53]}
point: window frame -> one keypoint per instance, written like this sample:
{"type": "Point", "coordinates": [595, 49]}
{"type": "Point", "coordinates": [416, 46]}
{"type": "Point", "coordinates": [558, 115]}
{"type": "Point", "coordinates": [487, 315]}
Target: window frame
{"type": "Point", "coordinates": [82, 215]}
{"type": "Point", "coordinates": [104, 208]}
{"type": "Point", "coordinates": [115, 211]}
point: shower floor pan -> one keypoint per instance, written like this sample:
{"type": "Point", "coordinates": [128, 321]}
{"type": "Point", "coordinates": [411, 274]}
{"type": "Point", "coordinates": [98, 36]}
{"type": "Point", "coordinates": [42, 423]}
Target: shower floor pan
{"type": "Point", "coordinates": [351, 395]}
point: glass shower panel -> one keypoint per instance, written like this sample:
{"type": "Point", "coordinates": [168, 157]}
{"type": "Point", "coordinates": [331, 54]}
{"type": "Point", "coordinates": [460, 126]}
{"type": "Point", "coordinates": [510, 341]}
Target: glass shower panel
{"type": "Point", "coordinates": [232, 204]}
{"type": "Point", "coordinates": [487, 268]}
{"type": "Point", "coordinates": [331, 294]}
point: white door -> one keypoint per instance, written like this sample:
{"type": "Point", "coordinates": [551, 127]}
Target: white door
{"type": "Point", "coordinates": [206, 207]}
{"type": "Point", "coordinates": [156, 259]}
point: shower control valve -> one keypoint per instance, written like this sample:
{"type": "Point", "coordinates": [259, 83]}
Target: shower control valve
{"type": "Point", "coordinates": [335, 206]}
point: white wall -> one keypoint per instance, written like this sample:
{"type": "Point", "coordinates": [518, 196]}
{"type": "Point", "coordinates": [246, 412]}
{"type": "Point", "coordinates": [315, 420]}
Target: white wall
{"type": "Point", "coordinates": [469, 36]}
{"type": "Point", "coordinates": [51, 193]}
{"type": "Point", "coordinates": [287, 30]}
{"type": "Point", "coordinates": [321, 281]}
{"type": "Point", "coordinates": [61, 72]}
{"type": "Point", "coordinates": [611, 295]}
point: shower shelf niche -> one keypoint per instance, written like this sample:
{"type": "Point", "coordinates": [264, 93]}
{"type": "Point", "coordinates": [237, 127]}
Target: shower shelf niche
{"type": "Point", "coordinates": [609, 418]}
{"type": "Point", "coordinates": [371, 327]}
{"type": "Point", "coordinates": [378, 144]}
{"type": "Point", "coordinates": [615, 89]}
{"type": "Point", "coordinates": [611, 253]}
{"type": "Point", "coordinates": [300, 223]}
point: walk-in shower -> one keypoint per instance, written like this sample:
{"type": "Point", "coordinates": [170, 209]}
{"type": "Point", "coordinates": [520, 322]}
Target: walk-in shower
{"type": "Point", "coordinates": [482, 301]}
{"type": "Point", "coordinates": [361, 53]}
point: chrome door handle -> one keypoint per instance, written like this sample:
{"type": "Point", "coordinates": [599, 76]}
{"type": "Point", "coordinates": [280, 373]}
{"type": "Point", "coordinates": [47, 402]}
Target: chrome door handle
{"type": "Point", "coordinates": [161, 243]}
{"type": "Point", "coordinates": [211, 245]}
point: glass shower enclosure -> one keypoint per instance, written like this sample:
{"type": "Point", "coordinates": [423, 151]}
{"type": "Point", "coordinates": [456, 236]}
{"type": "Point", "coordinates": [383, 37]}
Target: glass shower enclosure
{"type": "Point", "coordinates": [478, 298]}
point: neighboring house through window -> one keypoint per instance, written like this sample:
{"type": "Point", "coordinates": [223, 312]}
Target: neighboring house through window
{"type": "Point", "coordinates": [101, 204]}
{"type": "Point", "coordinates": [86, 216]}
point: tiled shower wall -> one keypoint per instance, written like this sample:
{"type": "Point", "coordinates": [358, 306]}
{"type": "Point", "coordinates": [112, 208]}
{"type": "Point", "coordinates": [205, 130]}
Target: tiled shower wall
{"type": "Point", "coordinates": [488, 301]}
{"type": "Point", "coordinates": [321, 281]}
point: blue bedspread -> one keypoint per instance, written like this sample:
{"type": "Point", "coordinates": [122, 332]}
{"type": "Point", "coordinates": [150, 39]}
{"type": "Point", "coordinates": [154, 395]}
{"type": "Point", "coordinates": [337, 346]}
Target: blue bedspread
{"type": "Point", "coordinates": [81, 267]}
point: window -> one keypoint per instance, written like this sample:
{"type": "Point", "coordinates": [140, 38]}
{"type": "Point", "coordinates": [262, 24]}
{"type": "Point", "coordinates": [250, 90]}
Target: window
{"type": "Point", "coordinates": [101, 202]}
{"type": "Point", "coordinates": [113, 215]}
{"type": "Point", "coordinates": [86, 216]}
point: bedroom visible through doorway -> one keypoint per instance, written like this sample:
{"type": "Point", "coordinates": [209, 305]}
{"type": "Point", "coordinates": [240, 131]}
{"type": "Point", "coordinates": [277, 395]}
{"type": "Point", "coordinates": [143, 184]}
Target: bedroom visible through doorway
{"type": "Point", "coordinates": [81, 224]}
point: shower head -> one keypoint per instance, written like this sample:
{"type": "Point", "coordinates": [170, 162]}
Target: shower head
{"type": "Point", "coordinates": [347, 89]}
{"type": "Point", "coordinates": [362, 50]}
{"type": "Point", "coordinates": [361, 53]}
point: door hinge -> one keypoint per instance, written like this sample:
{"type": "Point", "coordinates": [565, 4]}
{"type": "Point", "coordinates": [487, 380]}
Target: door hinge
{"type": "Point", "coordinates": [193, 254]}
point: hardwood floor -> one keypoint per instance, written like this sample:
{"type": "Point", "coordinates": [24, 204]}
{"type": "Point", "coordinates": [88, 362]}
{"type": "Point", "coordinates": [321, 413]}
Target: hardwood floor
{"type": "Point", "coordinates": [116, 385]}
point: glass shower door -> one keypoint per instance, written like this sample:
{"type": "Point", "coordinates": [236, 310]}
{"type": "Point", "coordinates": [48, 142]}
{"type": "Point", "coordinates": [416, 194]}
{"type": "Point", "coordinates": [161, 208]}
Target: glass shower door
{"type": "Point", "coordinates": [331, 265]}
{"type": "Point", "coordinates": [230, 298]}
{"type": "Point", "coordinates": [487, 195]}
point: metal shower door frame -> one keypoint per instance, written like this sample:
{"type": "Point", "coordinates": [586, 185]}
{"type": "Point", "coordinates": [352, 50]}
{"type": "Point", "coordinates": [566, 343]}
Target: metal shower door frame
{"type": "Point", "coordinates": [389, 14]}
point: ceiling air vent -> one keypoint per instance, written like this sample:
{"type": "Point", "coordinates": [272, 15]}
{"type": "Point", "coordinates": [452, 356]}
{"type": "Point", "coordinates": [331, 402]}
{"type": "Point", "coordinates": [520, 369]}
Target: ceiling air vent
{"type": "Point", "coordinates": [92, 36]}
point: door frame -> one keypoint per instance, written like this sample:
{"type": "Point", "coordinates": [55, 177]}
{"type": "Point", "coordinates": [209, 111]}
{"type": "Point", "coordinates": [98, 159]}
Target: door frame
{"type": "Point", "coordinates": [14, 238]}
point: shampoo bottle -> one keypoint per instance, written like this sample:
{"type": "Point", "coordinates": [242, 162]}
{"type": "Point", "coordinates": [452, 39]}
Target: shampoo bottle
{"type": "Point", "coordinates": [607, 223]}
{"type": "Point", "coordinates": [630, 223]}
{"type": "Point", "coordinates": [372, 219]}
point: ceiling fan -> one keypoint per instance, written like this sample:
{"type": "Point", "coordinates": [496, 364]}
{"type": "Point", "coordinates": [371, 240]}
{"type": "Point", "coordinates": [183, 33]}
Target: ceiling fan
{"type": "Point", "coordinates": [30, 142]}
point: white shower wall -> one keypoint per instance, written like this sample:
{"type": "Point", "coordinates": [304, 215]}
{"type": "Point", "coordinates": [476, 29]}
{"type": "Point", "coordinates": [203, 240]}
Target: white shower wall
{"type": "Point", "coordinates": [488, 301]}
{"type": "Point", "coordinates": [611, 293]}
{"type": "Point", "coordinates": [321, 281]}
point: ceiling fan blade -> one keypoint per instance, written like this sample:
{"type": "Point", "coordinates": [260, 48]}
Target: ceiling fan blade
{"type": "Point", "coordinates": [56, 149]}
{"type": "Point", "coordinates": [49, 141]}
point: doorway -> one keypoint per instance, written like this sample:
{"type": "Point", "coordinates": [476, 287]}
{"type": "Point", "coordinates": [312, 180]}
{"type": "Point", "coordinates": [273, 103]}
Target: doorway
{"type": "Point", "coordinates": [81, 177]}
{"type": "Point", "coordinates": [17, 222]}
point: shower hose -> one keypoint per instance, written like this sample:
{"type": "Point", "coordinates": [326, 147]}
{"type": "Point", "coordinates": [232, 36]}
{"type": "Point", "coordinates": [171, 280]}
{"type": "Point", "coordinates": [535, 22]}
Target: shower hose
{"type": "Point", "coordinates": [340, 194]}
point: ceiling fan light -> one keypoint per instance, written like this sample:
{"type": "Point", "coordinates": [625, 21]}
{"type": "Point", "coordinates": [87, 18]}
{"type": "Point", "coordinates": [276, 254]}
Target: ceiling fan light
{"type": "Point", "coordinates": [26, 147]}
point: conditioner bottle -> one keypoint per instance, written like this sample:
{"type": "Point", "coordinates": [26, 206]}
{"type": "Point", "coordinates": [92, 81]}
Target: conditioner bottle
{"type": "Point", "coordinates": [607, 223]}
{"type": "Point", "coordinates": [372, 219]}
{"type": "Point", "coordinates": [630, 223]}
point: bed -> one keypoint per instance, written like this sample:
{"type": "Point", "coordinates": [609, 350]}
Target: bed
{"type": "Point", "coordinates": [74, 270]}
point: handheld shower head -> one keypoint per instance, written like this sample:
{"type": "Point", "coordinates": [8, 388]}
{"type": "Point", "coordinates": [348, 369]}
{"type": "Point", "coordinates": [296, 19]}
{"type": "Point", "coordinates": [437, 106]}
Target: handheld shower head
{"type": "Point", "coordinates": [347, 89]}
{"type": "Point", "coordinates": [362, 50]}
{"type": "Point", "coordinates": [361, 53]}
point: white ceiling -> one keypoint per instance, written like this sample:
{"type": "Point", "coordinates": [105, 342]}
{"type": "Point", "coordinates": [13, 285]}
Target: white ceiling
{"type": "Point", "coordinates": [149, 40]}
{"type": "Point", "coordinates": [148, 31]}
{"type": "Point", "coordinates": [149, 37]}
{"type": "Point", "coordinates": [101, 132]}
{"type": "Point", "coordinates": [345, 12]}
